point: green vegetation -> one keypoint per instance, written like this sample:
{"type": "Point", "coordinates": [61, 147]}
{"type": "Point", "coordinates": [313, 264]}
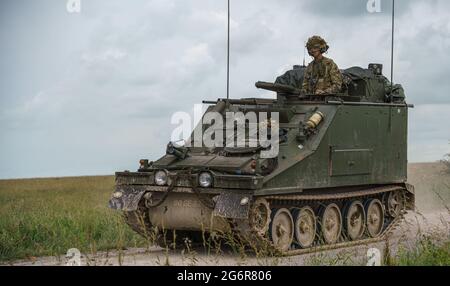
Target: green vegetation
{"type": "Point", "coordinates": [46, 217]}
{"type": "Point", "coordinates": [428, 253]}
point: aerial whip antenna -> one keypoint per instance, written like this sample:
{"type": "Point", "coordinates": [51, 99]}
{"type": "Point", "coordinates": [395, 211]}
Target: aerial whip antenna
{"type": "Point", "coordinates": [228, 53]}
{"type": "Point", "coordinates": [304, 55]}
{"type": "Point", "coordinates": [392, 50]}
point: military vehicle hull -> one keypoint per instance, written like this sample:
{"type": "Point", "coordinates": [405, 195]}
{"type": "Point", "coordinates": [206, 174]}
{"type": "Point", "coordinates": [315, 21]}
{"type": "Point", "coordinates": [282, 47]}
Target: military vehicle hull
{"type": "Point", "coordinates": [337, 174]}
{"type": "Point", "coordinates": [339, 178]}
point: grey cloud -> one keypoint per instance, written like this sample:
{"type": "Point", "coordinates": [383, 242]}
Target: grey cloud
{"type": "Point", "coordinates": [101, 90]}
{"type": "Point", "coordinates": [352, 8]}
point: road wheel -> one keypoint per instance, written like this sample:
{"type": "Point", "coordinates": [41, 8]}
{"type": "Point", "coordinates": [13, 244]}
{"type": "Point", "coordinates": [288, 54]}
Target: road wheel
{"type": "Point", "coordinates": [281, 229]}
{"type": "Point", "coordinates": [305, 227]}
{"type": "Point", "coordinates": [331, 223]}
{"type": "Point", "coordinates": [375, 217]}
{"type": "Point", "coordinates": [355, 220]}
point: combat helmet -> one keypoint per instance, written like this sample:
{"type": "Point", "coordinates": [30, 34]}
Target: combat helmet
{"type": "Point", "coordinates": [317, 42]}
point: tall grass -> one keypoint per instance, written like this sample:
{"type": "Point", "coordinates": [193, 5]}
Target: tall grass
{"type": "Point", "coordinates": [46, 217]}
{"type": "Point", "coordinates": [433, 247]}
{"type": "Point", "coordinates": [428, 252]}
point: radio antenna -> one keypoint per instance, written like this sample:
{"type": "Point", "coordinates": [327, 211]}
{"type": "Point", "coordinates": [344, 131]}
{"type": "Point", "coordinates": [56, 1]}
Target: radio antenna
{"type": "Point", "coordinates": [228, 53]}
{"type": "Point", "coordinates": [392, 50]}
{"type": "Point", "coordinates": [304, 55]}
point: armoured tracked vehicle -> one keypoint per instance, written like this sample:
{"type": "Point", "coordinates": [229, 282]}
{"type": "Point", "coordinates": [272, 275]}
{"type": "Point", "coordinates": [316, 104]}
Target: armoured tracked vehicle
{"type": "Point", "coordinates": [339, 178]}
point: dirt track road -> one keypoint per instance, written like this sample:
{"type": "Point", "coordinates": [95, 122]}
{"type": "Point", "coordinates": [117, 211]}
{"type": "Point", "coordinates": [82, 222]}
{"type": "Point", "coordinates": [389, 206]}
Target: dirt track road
{"type": "Point", "coordinates": [405, 235]}
{"type": "Point", "coordinates": [435, 219]}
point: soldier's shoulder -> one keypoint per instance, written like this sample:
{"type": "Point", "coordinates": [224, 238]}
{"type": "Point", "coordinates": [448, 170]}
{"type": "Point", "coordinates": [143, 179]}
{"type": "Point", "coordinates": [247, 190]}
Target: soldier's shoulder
{"type": "Point", "coordinates": [310, 64]}
{"type": "Point", "coordinates": [328, 61]}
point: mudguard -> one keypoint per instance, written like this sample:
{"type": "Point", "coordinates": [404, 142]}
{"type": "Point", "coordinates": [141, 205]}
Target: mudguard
{"type": "Point", "coordinates": [229, 205]}
{"type": "Point", "coordinates": [129, 200]}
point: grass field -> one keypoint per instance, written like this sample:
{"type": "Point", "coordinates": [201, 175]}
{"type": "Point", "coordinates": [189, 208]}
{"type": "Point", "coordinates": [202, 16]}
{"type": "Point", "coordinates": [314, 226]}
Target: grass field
{"type": "Point", "coordinates": [427, 253]}
{"type": "Point", "coordinates": [46, 217]}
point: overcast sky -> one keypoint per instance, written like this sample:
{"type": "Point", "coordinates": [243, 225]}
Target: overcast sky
{"type": "Point", "coordinates": [93, 92]}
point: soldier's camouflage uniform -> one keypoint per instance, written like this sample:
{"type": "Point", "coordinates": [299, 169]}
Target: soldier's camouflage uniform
{"type": "Point", "coordinates": [322, 76]}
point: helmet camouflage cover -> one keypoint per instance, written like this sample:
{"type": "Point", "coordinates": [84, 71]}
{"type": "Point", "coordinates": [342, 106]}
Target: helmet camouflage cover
{"type": "Point", "coordinates": [317, 42]}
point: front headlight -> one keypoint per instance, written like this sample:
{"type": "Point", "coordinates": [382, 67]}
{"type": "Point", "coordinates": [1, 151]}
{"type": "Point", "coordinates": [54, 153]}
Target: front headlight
{"type": "Point", "coordinates": [205, 179]}
{"type": "Point", "coordinates": [161, 178]}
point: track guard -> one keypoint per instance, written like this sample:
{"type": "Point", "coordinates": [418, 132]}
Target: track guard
{"type": "Point", "coordinates": [229, 206]}
{"type": "Point", "coordinates": [128, 201]}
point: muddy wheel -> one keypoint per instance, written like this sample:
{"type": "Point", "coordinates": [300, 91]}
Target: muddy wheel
{"type": "Point", "coordinates": [375, 217]}
{"type": "Point", "coordinates": [331, 223]}
{"type": "Point", "coordinates": [260, 216]}
{"type": "Point", "coordinates": [281, 229]}
{"type": "Point", "coordinates": [305, 227]}
{"type": "Point", "coordinates": [355, 220]}
{"type": "Point", "coordinates": [394, 202]}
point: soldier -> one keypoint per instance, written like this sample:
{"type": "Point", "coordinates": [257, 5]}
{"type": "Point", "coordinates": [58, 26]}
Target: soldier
{"type": "Point", "coordinates": [322, 76]}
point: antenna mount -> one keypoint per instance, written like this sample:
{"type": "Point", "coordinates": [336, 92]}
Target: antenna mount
{"type": "Point", "coordinates": [392, 51]}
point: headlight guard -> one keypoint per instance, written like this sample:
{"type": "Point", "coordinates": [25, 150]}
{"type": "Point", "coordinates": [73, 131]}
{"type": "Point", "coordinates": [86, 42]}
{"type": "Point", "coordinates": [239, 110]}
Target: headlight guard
{"type": "Point", "coordinates": [161, 177]}
{"type": "Point", "coordinates": [205, 179]}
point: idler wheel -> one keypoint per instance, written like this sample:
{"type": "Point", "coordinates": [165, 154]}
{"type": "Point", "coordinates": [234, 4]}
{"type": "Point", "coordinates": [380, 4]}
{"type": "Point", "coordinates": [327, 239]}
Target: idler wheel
{"type": "Point", "coordinates": [394, 202]}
